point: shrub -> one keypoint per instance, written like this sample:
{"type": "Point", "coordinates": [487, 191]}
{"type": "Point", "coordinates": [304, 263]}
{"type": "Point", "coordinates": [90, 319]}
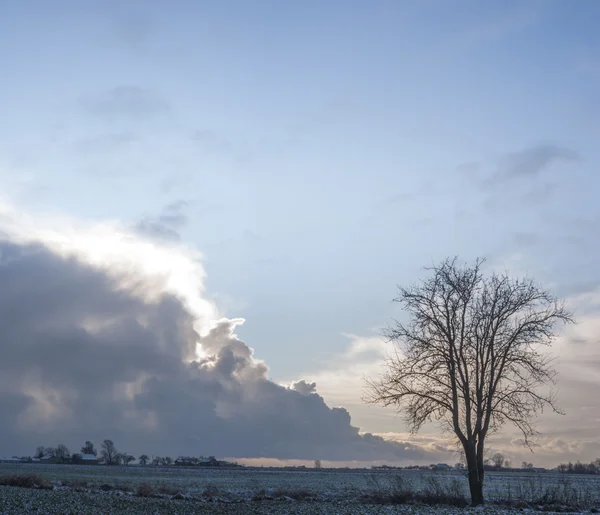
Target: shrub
{"type": "Point", "coordinates": [25, 481]}
{"type": "Point", "coordinates": [144, 490]}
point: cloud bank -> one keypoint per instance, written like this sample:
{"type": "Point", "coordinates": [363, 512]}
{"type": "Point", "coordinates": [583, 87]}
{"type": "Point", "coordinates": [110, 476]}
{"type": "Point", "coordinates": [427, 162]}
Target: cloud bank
{"type": "Point", "coordinates": [106, 335]}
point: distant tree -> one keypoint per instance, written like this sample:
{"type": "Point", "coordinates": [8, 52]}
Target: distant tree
{"type": "Point", "coordinates": [156, 460]}
{"type": "Point", "coordinates": [128, 458]}
{"type": "Point", "coordinates": [497, 460]}
{"type": "Point", "coordinates": [143, 459]}
{"type": "Point", "coordinates": [166, 460]}
{"type": "Point", "coordinates": [109, 452]}
{"type": "Point", "coordinates": [470, 356]}
{"type": "Point", "coordinates": [317, 464]}
{"type": "Point", "coordinates": [62, 453]}
{"type": "Point", "coordinates": [580, 468]}
{"type": "Point", "coordinates": [40, 452]}
{"type": "Point", "coordinates": [76, 458]}
{"type": "Point", "coordinates": [527, 466]}
{"type": "Point", "coordinates": [507, 463]}
{"type": "Point", "coordinates": [88, 448]}
{"type": "Point", "coordinates": [459, 466]}
{"type": "Point", "coordinates": [50, 451]}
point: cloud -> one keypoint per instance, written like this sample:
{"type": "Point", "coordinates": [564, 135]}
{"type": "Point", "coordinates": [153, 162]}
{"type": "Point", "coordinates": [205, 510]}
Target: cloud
{"type": "Point", "coordinates": [218, 144]}
{"type": "Point", "coordinates": [519, 179]}
{"type": "Point", "coordinates": [128, 102]}
{"type": "Point", "coordinates": [531, 162]}
{"type": "Point", "coordinates": [104, 142]}
{"type": "Point", "coordinates": [165, 226]}
{"type": "Point", "coordinates": [303, 387]}
{"type": "Point", "coordinates": [104, 335]}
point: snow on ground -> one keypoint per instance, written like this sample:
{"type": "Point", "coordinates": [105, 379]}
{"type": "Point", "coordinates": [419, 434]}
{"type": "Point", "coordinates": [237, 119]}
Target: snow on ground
{"type": "Point", "coordinates": [100, 489]}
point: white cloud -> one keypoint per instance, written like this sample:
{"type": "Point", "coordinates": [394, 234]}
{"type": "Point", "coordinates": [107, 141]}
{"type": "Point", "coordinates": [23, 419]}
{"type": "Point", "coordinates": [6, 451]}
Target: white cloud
{"type": "Point", "coordinates": [99, 336]}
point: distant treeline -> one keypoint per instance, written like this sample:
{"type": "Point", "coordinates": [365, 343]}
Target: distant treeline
{"type": "Point", "coordinates": [580, 468]}
{"type": "Point", "coordinates": [109, 455]}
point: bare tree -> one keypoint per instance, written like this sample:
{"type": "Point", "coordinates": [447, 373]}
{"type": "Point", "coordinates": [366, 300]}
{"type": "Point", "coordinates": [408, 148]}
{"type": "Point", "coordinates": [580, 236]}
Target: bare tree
{"type": "Point", "coordinates": [109, 453]}
{"type": "Point", "coordinates": [144, 459]}
{"type": "Point", "coordinates": [128, 458]}
{"type": "Point", "coordinates": [62, 453]}
{"type": "Point", "coordinates": [318, 464]}
{"type": "Point", "coordinates": [88, 448]}
{"type": "Point", "coordinates": [497, 460]}
{"type": "Point", "coordinates": [471, 357]}
{"type": "Point", "coordinates": [40, 452]}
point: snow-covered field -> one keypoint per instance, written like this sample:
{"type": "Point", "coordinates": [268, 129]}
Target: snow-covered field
{"type": "Point", "coordinates": [89, 489]}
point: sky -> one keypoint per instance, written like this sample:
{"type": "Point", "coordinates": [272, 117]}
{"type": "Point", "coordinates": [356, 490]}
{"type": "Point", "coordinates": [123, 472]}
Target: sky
{"type": "Point", "coordinates": [168, 171]}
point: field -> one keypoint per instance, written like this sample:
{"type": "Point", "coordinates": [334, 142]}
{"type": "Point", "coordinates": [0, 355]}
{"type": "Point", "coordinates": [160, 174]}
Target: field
{"type": "Point", "coordinates": [73, 489]}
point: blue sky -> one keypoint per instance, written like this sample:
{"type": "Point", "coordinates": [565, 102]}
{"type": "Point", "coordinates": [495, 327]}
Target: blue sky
{"type": "Point", "coordinates": [319, 153]}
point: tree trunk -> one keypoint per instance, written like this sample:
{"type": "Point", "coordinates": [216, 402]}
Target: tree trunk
{"type": "Point", "coordinates": [476, 489]}
{"type": "Point", "coordinates": [475, 468]}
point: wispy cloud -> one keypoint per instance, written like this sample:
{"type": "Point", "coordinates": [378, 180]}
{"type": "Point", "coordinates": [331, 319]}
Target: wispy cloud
{"type": "Point", "coordinates": [102, 143]}
{"type": "Point", "coordinates": [533, 161]}
{"type": "Point", "coordinates": [167, 225]}
{"type": "Point", "coordinates": [128, 102]}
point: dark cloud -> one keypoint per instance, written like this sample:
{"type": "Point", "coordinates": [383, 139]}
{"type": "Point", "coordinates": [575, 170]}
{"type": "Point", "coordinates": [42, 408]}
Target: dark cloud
{"type": "Point", "coordinates": [531, 162]}
{"type": "Point", "coordinates": [128, 102]}
{"type": "Point", "coordinates": [165, 226]}
{"type": "Point", "coordinates": [86, 356]}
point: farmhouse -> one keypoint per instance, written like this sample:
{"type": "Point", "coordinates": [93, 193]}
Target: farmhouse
{"type": "Point", "coordinates": [186, 461]}
{"type": "Point", "coordinates": [46, 459]}
{"type": "Point", "coordinates": [14, 459]}
{"type": "Point", "coordinates": [89, 459]}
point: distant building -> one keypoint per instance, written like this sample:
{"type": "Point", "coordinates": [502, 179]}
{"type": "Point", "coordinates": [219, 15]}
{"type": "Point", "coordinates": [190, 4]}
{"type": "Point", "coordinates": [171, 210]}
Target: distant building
{"type": "Point", "coordinates": [14, 459]}
{"type": "Point", "coordinates": [89, 459]}
{"type": "Point", "coordinates": [186, 461]}
{"type": "Point", "coordinates": [211, 461]}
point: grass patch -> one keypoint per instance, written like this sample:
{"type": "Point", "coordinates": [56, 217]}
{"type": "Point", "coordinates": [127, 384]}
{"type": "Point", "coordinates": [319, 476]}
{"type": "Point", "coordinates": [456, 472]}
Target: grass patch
{"type": "Point", "coordinates": [298, 494]}
{"type": "Point", "coordinates": [166, 489]}
{"type": "Point", "coordinates": [562, 495]}
{"type": "Point", "coordinates": [397, 489]}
